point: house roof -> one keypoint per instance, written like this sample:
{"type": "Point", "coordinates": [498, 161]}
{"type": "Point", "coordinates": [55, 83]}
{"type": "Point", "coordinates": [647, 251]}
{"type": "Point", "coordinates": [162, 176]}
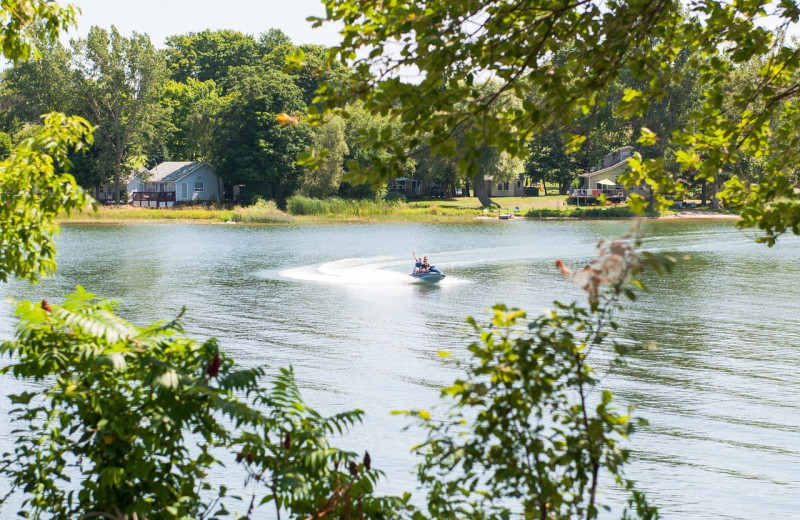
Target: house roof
{"type": "Point", "coordinates": [173, 171]}
{"type": "Point", "coordinates": [606, 169]}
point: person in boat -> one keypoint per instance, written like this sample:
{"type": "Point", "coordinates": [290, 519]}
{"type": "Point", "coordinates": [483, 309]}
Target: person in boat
{"type": "Point", "coordinates": [418, 264]}
{"type": "Point", "coordinates": [425, 265]}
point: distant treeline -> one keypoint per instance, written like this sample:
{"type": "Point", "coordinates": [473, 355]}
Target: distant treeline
{"type": "Point", "coordinates": [216, 96]}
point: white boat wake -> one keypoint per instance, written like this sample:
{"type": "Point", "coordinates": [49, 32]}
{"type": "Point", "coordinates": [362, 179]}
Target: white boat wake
{"type": "Point", "coordinates": [374, 271]}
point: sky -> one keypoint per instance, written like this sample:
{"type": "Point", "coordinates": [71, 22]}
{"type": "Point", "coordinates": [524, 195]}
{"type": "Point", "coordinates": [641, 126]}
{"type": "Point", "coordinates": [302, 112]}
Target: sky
{"type": "Point", "coordinates": [162, 18]}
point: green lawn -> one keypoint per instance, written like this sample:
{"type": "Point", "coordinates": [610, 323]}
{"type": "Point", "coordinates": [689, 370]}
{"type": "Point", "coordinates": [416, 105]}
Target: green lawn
{"type": "Point", "coordinates": [506, 203]}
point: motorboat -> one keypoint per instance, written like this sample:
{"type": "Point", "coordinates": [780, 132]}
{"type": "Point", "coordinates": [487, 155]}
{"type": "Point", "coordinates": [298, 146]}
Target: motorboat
{"type": "Point", "coordinates": [432, 275]}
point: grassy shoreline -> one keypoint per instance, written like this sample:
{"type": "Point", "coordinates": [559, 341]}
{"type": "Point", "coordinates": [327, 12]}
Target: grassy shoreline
{"type": "Point", "coordinates": [304, 210]}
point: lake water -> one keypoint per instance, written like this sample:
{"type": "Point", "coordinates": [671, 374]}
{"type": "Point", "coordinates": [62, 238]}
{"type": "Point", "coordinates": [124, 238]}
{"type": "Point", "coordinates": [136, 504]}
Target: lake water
{"type": "Point", "coordinates": [335, 302]}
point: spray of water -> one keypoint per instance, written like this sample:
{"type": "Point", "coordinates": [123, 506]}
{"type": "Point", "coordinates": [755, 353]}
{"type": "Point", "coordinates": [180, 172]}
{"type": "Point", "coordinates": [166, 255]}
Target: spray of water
{"type": "Point", "coordinates": [375, 271]}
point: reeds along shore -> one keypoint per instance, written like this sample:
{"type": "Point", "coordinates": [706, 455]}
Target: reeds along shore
{"type": "Point", "coordinates": [301, 209]}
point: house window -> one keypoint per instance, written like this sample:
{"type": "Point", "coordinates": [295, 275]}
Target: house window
{"type": "Point", "coordinates": [198, 186]}
{"type": "Point", "coordinates": [505, 186]}
{"type": "Point", "coordinates": [499, 187]}
{"type": "Point", "coordinates": [519, 184]}
{"type": "Point", "coordinates": [625, 153]}
{"type": "Point", "coordinates": [184, 190]}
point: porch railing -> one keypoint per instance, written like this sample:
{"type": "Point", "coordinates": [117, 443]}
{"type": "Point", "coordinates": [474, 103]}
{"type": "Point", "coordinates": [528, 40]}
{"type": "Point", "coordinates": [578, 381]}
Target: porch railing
{"type": "Point", "coordinates": [153, 196]}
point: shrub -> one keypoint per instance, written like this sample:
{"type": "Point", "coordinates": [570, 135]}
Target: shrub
{"type": "Point", "coordinates": [141, 413]}
{"type": "Point", "coordinates": [395, 196]}
{"type": "Point", "coordinates": [260, 212]}
{"type": "Point", "coordinates": [598, 212]}
{"type": "Point", "coordinates": [336, 207]}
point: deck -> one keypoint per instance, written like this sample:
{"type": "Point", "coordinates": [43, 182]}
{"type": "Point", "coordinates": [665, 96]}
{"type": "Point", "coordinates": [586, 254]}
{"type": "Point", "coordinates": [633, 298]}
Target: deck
{"type": "Point", "coordinates": [587, 197]}
{"type": "Point", "coordinates": [153, 196]}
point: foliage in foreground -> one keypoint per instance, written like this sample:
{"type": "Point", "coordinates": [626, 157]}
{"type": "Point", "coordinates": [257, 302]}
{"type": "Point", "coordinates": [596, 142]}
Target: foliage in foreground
{"type": "Point", "coordinates": [527, 435]}
{"type": "Point", "coordinates": [127, 422]}
{"type": "Point", "coordinates": [34, 188]}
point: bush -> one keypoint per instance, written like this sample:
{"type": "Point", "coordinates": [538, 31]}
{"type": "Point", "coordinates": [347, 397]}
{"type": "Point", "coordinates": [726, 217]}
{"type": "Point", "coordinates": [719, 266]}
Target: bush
{"type": "Point", "coordinates": [598, 212]}
{"type": "Point", "coordinates": [260, 212]}
{"type": "Point", "coordinates": [395, 196]}
{"type": "Point", "coordinates": [140, 414]}
{"type": "Point", "coordinates": [336, 207]}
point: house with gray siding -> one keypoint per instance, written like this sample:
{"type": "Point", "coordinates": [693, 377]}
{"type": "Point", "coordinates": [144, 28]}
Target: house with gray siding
{"type": "Point", "coordinates": [173, 182]}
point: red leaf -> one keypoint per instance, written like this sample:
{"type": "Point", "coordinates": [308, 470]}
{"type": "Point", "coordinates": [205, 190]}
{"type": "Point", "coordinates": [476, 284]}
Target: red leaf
{"type": "Point", "coordinates": [213, 367]}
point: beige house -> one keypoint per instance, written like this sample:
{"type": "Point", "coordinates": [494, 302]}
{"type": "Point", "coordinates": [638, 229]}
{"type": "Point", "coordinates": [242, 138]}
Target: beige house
{"type": "Point", "coordinates": [603, 180]}
{"type": "Point", "coordinates": [512, 188]}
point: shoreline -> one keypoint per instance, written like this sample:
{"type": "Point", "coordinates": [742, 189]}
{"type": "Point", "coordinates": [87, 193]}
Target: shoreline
{"type": "Point", "coordinates": [389, 218]}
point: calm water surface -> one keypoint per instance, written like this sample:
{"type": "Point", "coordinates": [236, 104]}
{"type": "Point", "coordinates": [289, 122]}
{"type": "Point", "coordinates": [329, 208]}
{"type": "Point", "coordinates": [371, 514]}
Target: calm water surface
{"type": "Point", "coordinates": [334, 301]}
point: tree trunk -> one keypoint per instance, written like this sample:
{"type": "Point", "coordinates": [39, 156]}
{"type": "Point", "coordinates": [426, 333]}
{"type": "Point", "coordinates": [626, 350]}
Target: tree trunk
{"type": "Point", "coordinates": [563, 187]}
{"type": "Point", "coordinates": [704, 196]}
{"type": "Point", "coordinates": [116, 186]}
{"type": "Point", "coordinates": [466, 188]}
{"type": "Point", "coordinates": [120, 151]}
{"type": "Point", "coordinates": [479, 187]}
{"type": "Point", "coordinates": [714, 199]}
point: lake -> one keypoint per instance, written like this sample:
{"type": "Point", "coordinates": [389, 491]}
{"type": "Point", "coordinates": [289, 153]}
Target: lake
{"type": "Point", "coordinates": [335, 302]}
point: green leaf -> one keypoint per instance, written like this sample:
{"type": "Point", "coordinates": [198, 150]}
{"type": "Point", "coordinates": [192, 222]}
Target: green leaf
{"type": "Point", "coordinates": [168, 379]}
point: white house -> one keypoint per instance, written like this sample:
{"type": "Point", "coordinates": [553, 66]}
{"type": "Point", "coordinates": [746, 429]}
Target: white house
{"type": "Point", "coordinates": [172, 182]}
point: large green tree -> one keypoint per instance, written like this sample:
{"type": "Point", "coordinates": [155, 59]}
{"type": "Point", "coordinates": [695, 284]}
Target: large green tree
{"type": "Point", "coordinates": [32, 88]}
{"type": "Point", "coordinates": [191, 108]}
{"type": "Point", "coordinates": [121, 81]}
{"type": "Point", "coordinates": [209, 55]}
{"type": "Point", "coordinates": [250, 146]}
{"type": "Point", "coordinates": [324, 180]}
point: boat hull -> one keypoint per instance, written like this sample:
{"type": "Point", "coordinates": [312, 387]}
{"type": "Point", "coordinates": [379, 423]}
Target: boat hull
{"type": "Point", "coordinates": [429, 277]}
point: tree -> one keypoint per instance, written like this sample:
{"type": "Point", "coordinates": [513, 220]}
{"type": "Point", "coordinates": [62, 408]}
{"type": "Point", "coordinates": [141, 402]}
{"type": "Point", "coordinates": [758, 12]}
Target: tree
{"type": "Point", "coordinates": [26, 23]}
{"type": "Point", "coordinates": [360, 155]}
{"type": "Point", "coordinates": [47, 84]}
{"type": "Point", "coordinates": [548, 162]}
{"type": "Point", "coordinates": [209, 55]}
{"type": "Point", "coordinates": [307, 65]}
{"type": "Point", "coordinates": [251, 146]}
{"type": "Point", "coordinates": [5, 145]}
{"type": "Point", "coordinates": [120, 84]}
{"type": "Point", "coordinates": [324, 180]}
{"type": "Point", "coordinates": [34, 184]}
{"type": "Point", "coordinates": [192, 108]}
